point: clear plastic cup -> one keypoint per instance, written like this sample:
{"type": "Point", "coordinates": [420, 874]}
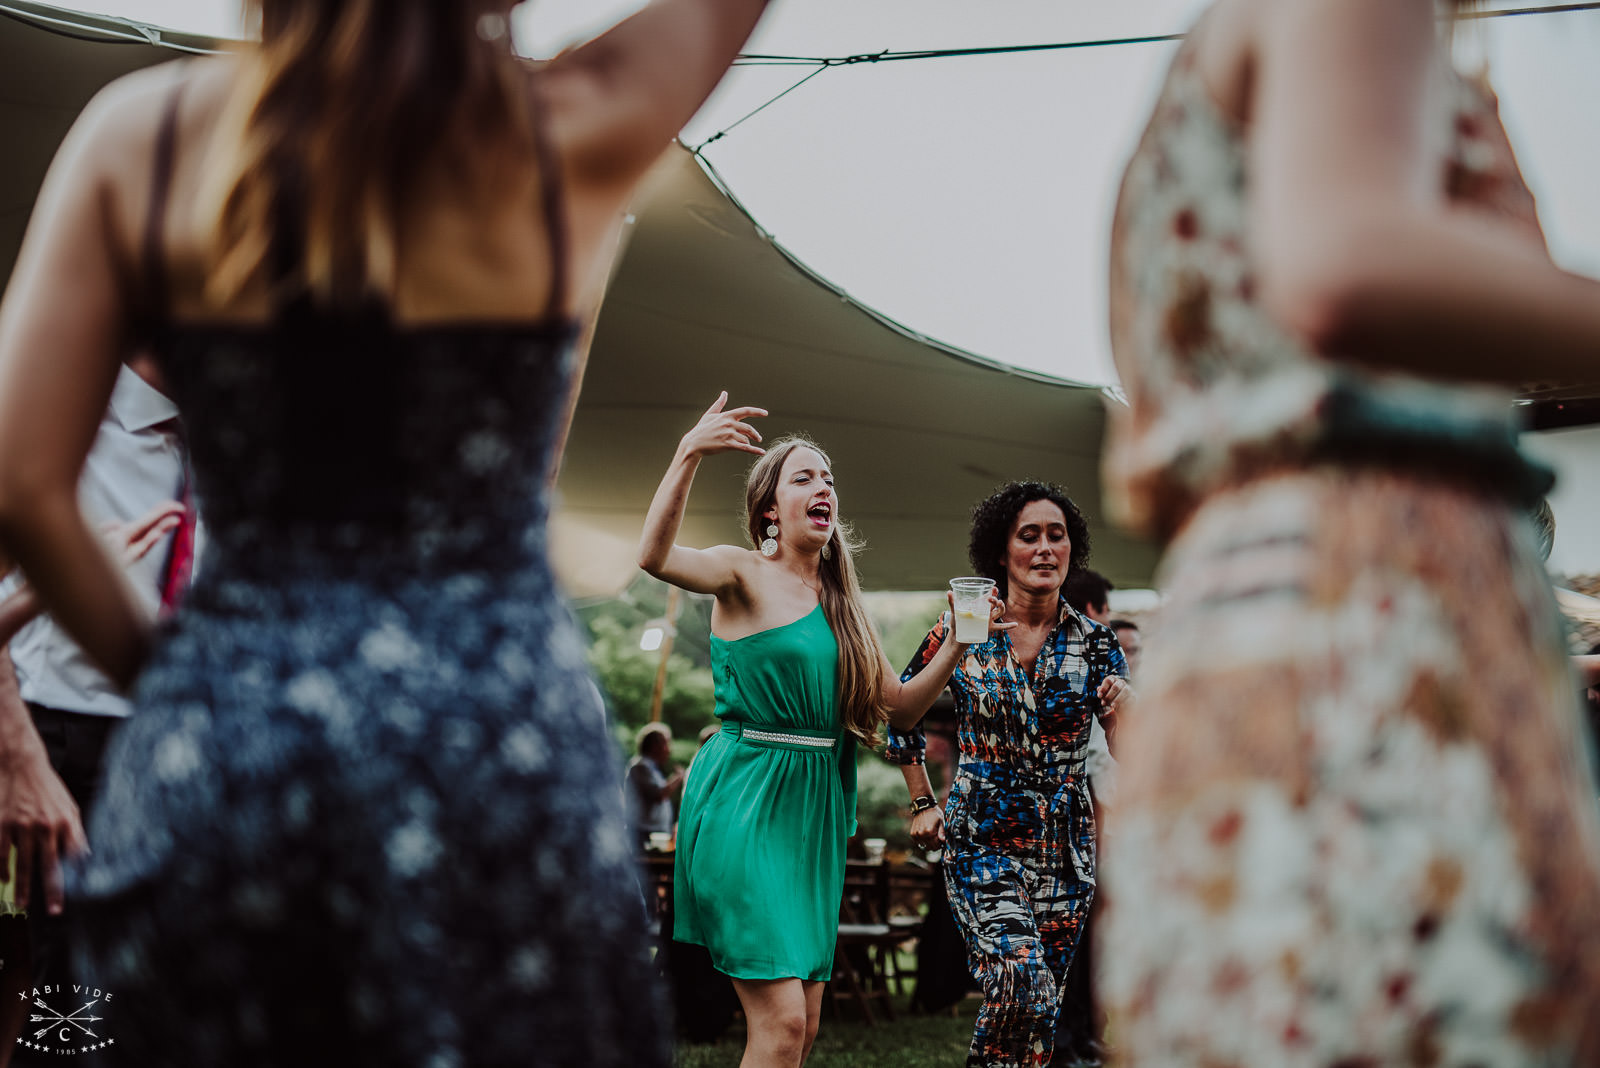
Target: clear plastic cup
{"type": "Point", "coordinates": [971, 596]}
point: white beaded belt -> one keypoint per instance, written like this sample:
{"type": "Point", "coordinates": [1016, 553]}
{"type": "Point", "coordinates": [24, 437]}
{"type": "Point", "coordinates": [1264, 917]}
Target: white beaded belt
{"type": "Point", "coordinates": [787, 739]}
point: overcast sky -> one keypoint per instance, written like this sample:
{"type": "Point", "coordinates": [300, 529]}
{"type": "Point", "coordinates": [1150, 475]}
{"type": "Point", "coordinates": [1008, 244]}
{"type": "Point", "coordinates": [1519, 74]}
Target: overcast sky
{"type": "Point", "coordinates": [971, 198]}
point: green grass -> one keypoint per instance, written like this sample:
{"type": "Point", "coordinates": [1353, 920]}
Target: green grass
{"type": "Point", "coordinates": [845, 1042]}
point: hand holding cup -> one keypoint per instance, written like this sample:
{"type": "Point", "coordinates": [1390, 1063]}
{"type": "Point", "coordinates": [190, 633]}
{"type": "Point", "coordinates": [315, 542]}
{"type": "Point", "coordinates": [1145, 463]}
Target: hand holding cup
{"type": "Point", "coordinates": [975, 610]}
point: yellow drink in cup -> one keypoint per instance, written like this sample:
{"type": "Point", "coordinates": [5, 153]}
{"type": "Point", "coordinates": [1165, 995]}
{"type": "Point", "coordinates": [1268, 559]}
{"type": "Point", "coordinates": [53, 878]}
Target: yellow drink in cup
{"type": "Point", "coordinates": [971, 597]}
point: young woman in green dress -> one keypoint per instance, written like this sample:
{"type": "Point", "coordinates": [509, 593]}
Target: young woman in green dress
{"type": "Point", "coordinates": [800, 678]}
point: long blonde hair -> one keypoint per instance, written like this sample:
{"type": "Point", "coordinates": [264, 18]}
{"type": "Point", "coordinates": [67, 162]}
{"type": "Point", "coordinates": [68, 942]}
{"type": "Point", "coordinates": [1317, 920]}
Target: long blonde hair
{"type": "Point", "coordinates": [861, 655]}
{"type": "Point", "coordinates": [332, 119]}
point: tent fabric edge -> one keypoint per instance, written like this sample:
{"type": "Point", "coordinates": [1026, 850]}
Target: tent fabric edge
{"type": "Point", "coordinates": [816, 278]}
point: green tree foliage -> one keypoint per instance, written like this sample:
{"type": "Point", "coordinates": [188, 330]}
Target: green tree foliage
{"type": "Point", "coordinates": [627, 674]}
{"type": "Point", "coordinates": [903, 620]}
{"type": "Point", "coordinates": [881, 801]}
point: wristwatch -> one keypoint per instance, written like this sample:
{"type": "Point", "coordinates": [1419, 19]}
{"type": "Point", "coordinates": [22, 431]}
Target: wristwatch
{"type": "Point", "coordinates": [923, 803]}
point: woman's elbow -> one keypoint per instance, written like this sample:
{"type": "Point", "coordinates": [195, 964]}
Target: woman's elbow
{"type": "Point", "coordinates": [1322, 306]}
{"type": "Point", "coordinates": [651, 559]}
{"type": "Point", "coordinates": [1321, 282]}
{"type": "Point", "coordinates": [23, 494]}
{"type": "Point", "coordinates": [904, 719]}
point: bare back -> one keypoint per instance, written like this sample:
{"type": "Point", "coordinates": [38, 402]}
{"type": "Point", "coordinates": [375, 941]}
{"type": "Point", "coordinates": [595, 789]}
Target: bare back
{"type": "Point", "coordinates": [474, 247]}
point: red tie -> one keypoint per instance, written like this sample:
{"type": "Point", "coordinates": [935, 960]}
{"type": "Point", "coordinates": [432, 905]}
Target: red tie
{"type": "Point", "coordinates": [180, 558]}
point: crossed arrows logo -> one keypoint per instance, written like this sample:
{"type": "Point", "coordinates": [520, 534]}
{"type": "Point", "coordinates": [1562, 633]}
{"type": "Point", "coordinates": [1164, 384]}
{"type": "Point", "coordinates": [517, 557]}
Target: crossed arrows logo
{"type": "Point", "coordinates": [55, 1019]}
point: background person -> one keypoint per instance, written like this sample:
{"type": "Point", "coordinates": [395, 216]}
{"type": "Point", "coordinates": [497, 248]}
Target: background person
{"type": "Point", "coordinates": [1357, 760]}
{"type": "Point", "coordinates": [1081, 1027]}
{"type": "Point", "coordinates": [57, 710]}
{"type": "Point", "coordinates": [650, 787]}
{"type": "Point", "coordinates": [365, 796]}
{"type": "Point", "coordinates": [1089, 592]}
{"type": "Point", "coordinates": [1131, 639]}
{"type": "Point", "coordinates": [1019, 827]}
{"type": "Point", "coordinates": [48, 767]}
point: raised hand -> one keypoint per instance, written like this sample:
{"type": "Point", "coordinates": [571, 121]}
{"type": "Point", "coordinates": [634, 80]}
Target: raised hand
{"type": "Point", "coordinates": [724, 431]}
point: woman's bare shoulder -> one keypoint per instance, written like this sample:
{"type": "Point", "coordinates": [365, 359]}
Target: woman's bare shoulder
{"type": "Point", "coordinates": [119, 125]}
{"type": "Point", "coordinates": [108, 156]}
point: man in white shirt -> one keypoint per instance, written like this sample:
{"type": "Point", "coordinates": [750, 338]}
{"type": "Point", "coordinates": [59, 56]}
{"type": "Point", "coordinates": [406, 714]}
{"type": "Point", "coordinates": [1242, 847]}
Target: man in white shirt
{"type": "Point", "coordinates": [57, 711]}
{"type": "Point", "coordinates": [1081, 1024]}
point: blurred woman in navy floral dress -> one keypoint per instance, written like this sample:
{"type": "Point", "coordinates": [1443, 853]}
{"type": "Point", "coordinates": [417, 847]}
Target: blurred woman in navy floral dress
{"type": "Point", "coordinates": [367, 812]}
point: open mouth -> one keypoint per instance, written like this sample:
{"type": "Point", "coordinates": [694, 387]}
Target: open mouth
{"type": "Point", "coordinates": [820, 514]}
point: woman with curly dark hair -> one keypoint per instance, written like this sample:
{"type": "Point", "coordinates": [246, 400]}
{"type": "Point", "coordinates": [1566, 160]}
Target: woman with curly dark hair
{"type": "Point", "coordinates": [1019, 824]}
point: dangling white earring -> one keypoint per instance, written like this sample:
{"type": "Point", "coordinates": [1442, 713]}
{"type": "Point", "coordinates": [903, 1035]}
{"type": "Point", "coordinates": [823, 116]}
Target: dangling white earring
{"type": "Point", "coordinates": [827, 551]}
{"type": "Point", "coordinates": [769, 548]}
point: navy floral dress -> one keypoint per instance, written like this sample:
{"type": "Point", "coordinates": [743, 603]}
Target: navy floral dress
{"type": "Point", "coordinates": [368, 811]}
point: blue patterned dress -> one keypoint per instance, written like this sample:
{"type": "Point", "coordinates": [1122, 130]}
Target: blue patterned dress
{"type": "Point", "coordinates": [1019, 824]}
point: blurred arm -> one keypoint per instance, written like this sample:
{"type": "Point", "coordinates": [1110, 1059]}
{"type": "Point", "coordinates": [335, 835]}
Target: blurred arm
{"type": "Point", "coordinates": [63, 327]}
{"type": "Point", "coordinates": [1360, 251]}
{"type": "Point", "coordinates": [625, 95]}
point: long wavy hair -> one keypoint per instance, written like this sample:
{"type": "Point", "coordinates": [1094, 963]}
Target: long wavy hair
{"type": "Point", "coordinates": [331, 121]}
{"type": "Point", "coordinates": [861, 655]}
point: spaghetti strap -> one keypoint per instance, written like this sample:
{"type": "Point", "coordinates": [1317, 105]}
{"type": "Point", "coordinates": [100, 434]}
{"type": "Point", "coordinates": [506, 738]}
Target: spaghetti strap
{"type": "Point", "coordinates": [552, 199]}
{"type": "Point", "coordinates": [152, 262]}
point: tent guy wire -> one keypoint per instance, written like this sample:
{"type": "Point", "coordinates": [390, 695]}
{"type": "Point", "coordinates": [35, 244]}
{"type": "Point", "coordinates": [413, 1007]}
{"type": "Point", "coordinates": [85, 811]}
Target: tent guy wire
{"type": "Point", "coordinates": [755, 59]}
{"type": "Point", "coordinates": [822, 63]}
{"type": "Point", "coordinates": [720, 134]}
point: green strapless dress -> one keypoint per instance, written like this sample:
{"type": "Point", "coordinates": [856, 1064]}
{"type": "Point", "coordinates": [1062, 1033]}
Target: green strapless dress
{"type": "Point", "coordinates": [769, 803]}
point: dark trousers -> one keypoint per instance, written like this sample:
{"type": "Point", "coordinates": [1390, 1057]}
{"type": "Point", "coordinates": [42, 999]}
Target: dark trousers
{"type": "Point", "coordinates": [76, 745]}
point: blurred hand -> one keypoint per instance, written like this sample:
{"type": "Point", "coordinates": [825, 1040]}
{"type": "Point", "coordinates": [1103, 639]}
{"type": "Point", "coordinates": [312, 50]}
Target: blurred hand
{"type": "Point", "coordinates": [39, 818]}
{"type": "Point", "coordinates": [1113, 691]}
{"type": "Point", "coordinates": [135, 539]}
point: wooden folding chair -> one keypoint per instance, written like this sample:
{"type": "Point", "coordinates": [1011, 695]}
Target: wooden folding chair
{"type": "Point", "coordinates": [863, 960]}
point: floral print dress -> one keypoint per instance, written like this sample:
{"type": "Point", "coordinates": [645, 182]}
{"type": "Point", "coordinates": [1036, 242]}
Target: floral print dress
{"type": "Point", "coordinates": [1356, 820]}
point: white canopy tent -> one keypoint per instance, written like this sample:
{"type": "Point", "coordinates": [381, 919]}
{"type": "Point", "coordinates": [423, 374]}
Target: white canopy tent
{"type": "Point", "coordinates": [702, 300]}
